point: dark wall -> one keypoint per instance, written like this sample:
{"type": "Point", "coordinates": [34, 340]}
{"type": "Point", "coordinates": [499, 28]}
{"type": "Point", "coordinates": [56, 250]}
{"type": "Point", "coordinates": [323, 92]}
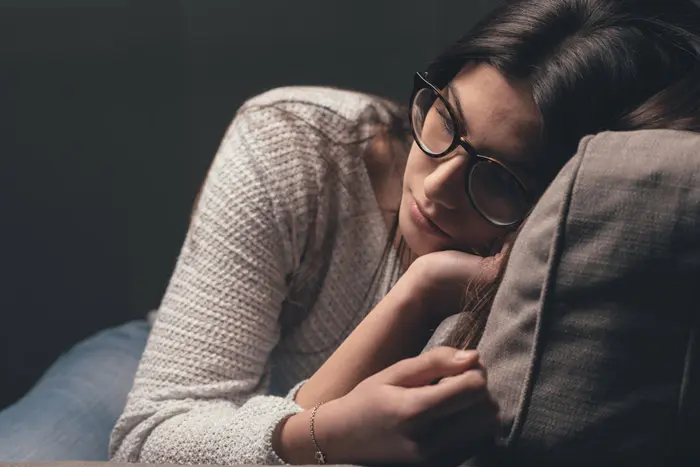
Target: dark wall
{"type": "Point", "coordinates": [110, 112]}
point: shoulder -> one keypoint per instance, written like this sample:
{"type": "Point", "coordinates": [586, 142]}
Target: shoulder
{"type": "Point", "coordinates": [291, 140]}
{"type": "Point", "coordinates": [295, 155]}
{"type": "Point", "coordinates": [330, 114]}
{"type": "Point", "coordinates": [310, 100]}
{"type": "Point", "coordinates": [297, 135]}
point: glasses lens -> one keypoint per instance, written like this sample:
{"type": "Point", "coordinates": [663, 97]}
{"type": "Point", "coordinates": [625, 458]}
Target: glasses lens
{"type": "Point", "coordinates": [497, 193]}
{"type": "Point", "coordinates": [433, 127]}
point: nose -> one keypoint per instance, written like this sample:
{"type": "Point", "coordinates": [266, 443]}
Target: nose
{"type": "Point", "coordinates": [445, 184]}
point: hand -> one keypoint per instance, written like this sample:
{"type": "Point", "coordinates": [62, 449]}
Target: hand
{"type": "Point", "coordinates": [400, 415]}
{"type": "Point", "coordinates": [438, 282]}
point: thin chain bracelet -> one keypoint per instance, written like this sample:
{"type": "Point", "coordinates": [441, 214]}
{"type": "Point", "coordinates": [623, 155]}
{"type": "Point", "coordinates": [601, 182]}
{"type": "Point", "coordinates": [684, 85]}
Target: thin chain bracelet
{"type": "Point", "coordinates": [320, 456]}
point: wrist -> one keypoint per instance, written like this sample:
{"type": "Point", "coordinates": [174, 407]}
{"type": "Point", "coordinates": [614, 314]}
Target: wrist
{"type": "Point", "coordinates": [294, 444]}
{"type": "Point", "coordinates": [291, 440]}
{"type": "Point", "coordinates": [328, 430]}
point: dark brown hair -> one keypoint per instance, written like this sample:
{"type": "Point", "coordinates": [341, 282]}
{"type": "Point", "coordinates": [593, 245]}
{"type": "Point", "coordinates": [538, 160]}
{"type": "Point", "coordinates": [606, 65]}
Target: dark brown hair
{"type": "Point", "coordinates": [592, 66]}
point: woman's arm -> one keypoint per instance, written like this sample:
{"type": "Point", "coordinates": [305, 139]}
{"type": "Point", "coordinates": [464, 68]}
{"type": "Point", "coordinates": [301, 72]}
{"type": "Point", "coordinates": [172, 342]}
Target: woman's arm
{"type": "Point", "coordinates": [400, 325]}
{"type": "Point", "coordinates": [397, 328]}
{"type": "Point", "coordinates": [200, 394]}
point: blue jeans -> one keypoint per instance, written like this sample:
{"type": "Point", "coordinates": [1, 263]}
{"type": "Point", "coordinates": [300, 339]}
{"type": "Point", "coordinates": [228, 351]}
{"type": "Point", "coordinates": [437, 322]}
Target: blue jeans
{"type": "Point", "coordinates": [71, 411]}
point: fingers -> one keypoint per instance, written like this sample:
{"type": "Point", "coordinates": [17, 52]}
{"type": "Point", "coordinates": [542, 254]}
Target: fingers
{"type": "Point", "coordinates": [452, 395]}
{"type": "Point", "coordinates": [426, 368]}
{"type": "Point", "coordinates": [478, 366]}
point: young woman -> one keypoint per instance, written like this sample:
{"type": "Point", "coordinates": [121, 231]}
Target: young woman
{"type": "Point", "coordinates": [320, 257]}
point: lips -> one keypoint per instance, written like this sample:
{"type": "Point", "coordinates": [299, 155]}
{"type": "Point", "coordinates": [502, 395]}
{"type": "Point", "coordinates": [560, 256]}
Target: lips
{"type": "Point", "coordinates": [424, 222]}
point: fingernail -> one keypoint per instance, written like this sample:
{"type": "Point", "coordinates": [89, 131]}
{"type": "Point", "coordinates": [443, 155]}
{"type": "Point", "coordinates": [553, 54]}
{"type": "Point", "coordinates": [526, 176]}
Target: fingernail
{"type": "Point", "coordinates": [462, 355]}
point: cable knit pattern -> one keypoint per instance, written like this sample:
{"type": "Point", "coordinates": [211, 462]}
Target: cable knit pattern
{"type": "Point", "coordinates": [272, 276]}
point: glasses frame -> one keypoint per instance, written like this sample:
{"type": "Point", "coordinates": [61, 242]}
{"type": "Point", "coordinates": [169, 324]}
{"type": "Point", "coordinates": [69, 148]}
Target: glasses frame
{"type": "Point", "coordinates": [420, 82]}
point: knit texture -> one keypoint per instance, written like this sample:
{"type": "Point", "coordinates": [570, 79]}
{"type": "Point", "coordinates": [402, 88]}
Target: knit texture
{"type": "Point", "coordinates": [273, 275]}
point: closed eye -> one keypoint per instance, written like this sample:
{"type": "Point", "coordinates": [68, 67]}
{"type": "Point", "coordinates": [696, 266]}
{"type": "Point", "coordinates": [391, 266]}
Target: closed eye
{"type": "Point", "coordinates": [446, 120]}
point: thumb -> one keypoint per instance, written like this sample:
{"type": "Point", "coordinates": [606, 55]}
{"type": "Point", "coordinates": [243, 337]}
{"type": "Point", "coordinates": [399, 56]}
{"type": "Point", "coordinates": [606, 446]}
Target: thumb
{"type": "Point", "coordinates": [429, 367]}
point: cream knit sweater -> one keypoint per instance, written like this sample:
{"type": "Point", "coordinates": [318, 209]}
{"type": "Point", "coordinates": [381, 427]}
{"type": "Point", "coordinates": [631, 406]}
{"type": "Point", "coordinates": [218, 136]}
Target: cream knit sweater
{"type": "Point", "coordinates": [254, 306]}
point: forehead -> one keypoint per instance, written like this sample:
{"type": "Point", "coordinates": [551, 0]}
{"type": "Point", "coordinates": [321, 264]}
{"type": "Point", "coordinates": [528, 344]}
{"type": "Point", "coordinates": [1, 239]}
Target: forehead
{"type": "Point", "coordinates": [500, 116]}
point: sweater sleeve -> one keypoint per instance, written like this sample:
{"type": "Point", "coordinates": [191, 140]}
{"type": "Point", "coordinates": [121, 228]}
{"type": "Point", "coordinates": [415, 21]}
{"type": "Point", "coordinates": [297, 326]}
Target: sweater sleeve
{"type": "Point", "coordinates": [201, 393]}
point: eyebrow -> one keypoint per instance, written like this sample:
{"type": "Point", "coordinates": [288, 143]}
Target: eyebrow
{"type": "Point", "coordinates": [520, 167]}
{"type": "Point", "coordinates": [453, 99]}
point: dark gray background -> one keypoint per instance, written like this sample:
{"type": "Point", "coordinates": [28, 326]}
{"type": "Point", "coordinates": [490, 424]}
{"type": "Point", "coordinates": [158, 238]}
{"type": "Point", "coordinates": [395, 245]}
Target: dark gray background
{"type": "Point", "coordinates": [110, 113]}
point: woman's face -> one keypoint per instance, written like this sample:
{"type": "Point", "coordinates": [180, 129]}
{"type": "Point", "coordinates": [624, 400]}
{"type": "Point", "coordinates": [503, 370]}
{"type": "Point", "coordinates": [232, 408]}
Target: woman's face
{"type": "Point", "coordinates": [502, 122]}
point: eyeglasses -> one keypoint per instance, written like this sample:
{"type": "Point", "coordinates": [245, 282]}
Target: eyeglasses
{"type": "Point", "coordinates": [493, 189]}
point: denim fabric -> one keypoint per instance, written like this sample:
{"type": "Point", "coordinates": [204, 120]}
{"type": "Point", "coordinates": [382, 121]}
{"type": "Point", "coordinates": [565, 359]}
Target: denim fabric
{"type": "Point", "coordinates": [70, 412]}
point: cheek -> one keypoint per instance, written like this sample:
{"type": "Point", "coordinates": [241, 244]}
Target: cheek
{"type": "Point", "coordinates": [472, 231]}
{"type": "Point", "coordinates": [417, 166]}
{"type": "Point", "coordinates": [482, 237]}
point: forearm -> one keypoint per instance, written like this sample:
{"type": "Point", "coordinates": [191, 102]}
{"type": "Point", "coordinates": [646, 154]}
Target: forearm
{"type": "Point", "coordinates": [395, 329]}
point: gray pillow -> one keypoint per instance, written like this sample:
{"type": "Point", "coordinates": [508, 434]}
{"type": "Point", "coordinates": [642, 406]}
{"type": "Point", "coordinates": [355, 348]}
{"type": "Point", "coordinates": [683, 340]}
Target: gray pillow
{"type": "Point", "coordinates": [590, 345]}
